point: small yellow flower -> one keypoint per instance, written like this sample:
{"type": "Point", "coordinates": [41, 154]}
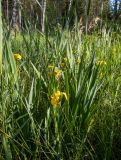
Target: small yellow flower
{"type": "Point", "coordinates": [101, 62]}
{"type": "Point", "coordinates": [57, 73]}
{"type": "Point", "coordinates": [17, 56]}
{"type": "Point", "coordinates": [62, 65]}
{"type": "Point", "coordinates": [51, 67]}
{"type": "Point", "coordinates": [65, 59]}
{"type": "Point", "coordinates": [57, 97]}
{"type": "Point", "coordinates": [78, 61]}
{"type": "Point", "coordinates": [64, 62]}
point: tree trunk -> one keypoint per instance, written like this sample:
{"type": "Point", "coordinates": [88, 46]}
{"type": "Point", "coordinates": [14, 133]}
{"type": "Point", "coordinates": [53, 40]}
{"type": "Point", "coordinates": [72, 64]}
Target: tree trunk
{"type": "Point", "coordinates": [19, 15]}
{"type": "Point", "coordinates": [1, 39]}
{"type": "Point", "coordinates": [14, 15]}
{"type": "Point", "coordinates": [69, 10]}
{"type": "Point", "coordinates": [44, 3]}
{"type": "Point", "coordinates": [7, 10]}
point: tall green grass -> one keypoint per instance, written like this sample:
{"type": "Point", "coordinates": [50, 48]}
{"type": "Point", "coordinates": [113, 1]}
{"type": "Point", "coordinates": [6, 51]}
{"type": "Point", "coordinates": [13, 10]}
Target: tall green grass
{"type": "Point", "coordinates": [83, 126]}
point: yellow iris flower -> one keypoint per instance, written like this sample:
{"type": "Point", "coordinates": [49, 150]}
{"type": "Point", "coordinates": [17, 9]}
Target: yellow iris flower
{"type": "Point", "coordinates": [78, 61]}
{"type": "Point", "coordinates": [17, 56]}
{"type": "Point", "coordinates": [57, 73]}
{"type": "Point", "coordinates": [51, 67]}
{"type": "Point", "coordinates": [101, 62]}
{"type": "Point", "coordinates": [56, 98]}
{"type": "Point", "coordinates": [65, 59]}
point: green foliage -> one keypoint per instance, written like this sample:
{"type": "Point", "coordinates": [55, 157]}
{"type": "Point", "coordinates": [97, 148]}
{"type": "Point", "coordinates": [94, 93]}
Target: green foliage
{"type": "Point", "coordinates": [85, 121]}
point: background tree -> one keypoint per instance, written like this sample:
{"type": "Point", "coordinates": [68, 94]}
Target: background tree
{"type": "Point", "coordinates": [0, 39]}
{"type": "Point", "coordinates": [64, 12]}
